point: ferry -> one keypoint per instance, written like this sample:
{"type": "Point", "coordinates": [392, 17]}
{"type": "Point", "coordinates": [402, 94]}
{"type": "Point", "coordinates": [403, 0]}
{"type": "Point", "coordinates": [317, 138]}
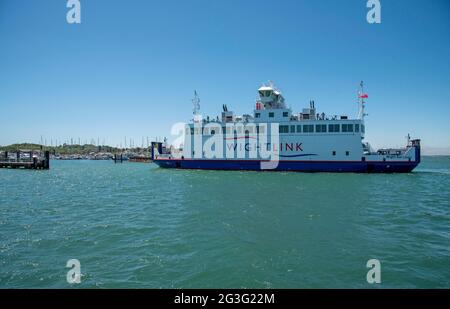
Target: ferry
{"type": "Point", "coordinates": [274, 138]}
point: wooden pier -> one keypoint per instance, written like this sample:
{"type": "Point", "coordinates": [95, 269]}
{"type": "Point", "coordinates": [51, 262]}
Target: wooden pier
{"type": "Point", "coordinates": [25, 160]}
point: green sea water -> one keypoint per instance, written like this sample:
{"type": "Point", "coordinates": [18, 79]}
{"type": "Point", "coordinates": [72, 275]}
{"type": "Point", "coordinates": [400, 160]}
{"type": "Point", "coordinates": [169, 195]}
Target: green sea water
{"type": "Point", "coordinates": [134, 225]}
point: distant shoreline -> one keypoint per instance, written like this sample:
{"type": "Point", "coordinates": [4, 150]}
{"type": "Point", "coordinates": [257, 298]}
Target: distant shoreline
{"type": "Point", "coordinates": [71, 149]}
{"type": "Point", "coordinates": [79, 152]}
{"type": "Point", "coordinates": [77, 149]}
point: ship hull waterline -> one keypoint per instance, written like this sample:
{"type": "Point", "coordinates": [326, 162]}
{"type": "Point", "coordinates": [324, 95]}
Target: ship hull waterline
{"type": "Point", "coordinates": [292, 166]}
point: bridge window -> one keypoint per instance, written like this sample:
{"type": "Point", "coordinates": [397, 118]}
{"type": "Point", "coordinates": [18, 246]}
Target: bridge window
{"type": "Point", "coordinates": [299, 128]}
{"type": "Point", "coordinates": [266, 93]}
{"type": "Point", "coordinates": [271, 115]}
{"type": "Point", "coordinates": [285, 114]}
{"type": "Point", "coordinates": [284, 129]}
{"type": "Point", "coordinates": [257, 115]}
{"type": "Point", "coordinates": [292, 129]}
{"type": "Point", "coordinates": [347, 128]}
{"type": "Point", "coordinates": [333, 128]}
{"type": "Point", "coordinates": [308, 128]}
{"type": "Point", "coordinates": [357, 127]}
{"type": "Point", "coordinates": [321, 128]}
{"type": "Point", "coordinates": [363, 129]}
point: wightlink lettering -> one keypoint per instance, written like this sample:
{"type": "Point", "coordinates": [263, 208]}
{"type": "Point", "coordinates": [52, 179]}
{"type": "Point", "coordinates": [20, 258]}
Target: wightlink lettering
{"type": "Point", "coordinates": [286, 147]}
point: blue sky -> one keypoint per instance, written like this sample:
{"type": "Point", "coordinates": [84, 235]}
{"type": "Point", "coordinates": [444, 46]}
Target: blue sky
{"type": "Point", "coordinates": [130, 68]}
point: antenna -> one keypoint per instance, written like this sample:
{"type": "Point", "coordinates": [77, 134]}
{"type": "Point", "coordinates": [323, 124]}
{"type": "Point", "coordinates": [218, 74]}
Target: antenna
{"type": "Point", "coordinates": [196, 108]}
{"type": "Point", "coordinates": [196, 103]}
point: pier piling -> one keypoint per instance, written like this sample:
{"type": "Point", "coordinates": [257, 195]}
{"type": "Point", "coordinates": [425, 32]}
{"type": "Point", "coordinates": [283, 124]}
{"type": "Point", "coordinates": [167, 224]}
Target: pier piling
{"type": "Point", "coordinates": [118, 159]}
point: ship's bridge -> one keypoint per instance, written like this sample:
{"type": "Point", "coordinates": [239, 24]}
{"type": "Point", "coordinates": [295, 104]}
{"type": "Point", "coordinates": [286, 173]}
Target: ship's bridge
{"type": "Point", "coordinates": [270, 105]}
{"type": "Point", "coordinates": [270, 97]}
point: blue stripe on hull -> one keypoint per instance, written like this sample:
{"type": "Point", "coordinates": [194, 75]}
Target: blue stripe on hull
{"type": "Point", "coordinates": [297, 166]}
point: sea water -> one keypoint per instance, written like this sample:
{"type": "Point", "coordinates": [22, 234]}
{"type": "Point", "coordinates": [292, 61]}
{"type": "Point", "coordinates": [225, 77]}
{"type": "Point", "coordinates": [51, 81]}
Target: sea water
{"type": "Point", "coordinates": [134, 225]}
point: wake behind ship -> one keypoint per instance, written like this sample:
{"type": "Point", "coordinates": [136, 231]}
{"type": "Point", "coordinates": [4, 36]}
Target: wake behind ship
{"type": "Point", "coordinates": [275, 138]}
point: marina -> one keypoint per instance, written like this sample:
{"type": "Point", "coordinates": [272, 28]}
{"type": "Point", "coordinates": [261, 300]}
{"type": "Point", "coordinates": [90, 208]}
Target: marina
{"type": "Point", "coordinates": [10, 156]}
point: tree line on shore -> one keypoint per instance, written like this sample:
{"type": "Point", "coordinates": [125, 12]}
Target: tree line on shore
{"type": "Point", "coordinates": [67, 149]}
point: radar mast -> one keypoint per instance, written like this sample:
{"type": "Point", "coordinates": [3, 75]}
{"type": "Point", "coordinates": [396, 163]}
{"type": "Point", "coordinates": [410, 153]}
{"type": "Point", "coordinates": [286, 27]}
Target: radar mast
{"type": "Point", "coordinates": [361, 102]}
{"type": "Point", "coordinates": [196, 106]}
